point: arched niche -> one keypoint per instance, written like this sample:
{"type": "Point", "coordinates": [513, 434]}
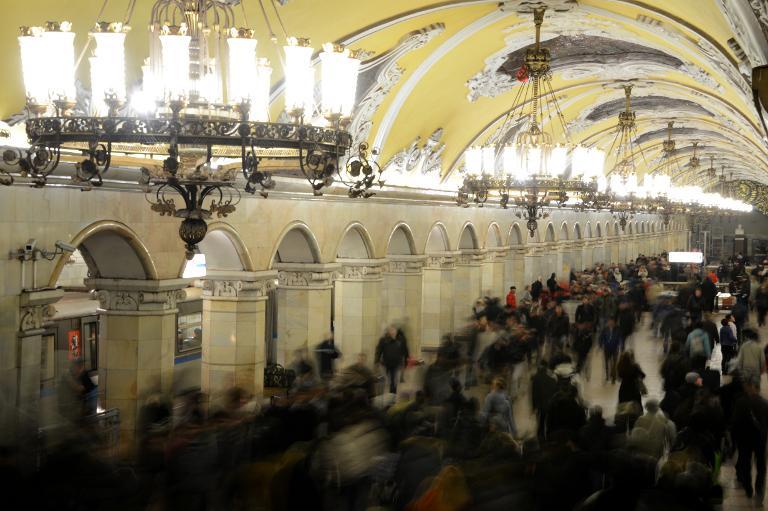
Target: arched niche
{"type": "Point", "coordinates": [223, 250]}
{"type": "Point", "coordinates": [590, 234]}
{"type": "Point", "coordinates": [577, 232]}
{"type": "Point", "coordinates": [297, 244]}
{"type": "Point", "coordinates": [401, 241]}
{"type": "Point", "coordinates": [630, 228]}
{"type": "Point", "coordinates": [468, 238]}
{"type": "Point", "coordinates": [355, 243]}
{"type": "Point", "coordinates": [598, 230]}
{"type": "Point", "coordinates": [564, 234]}
{"type": "Point", "coordinates": [550, 234]}
{"type": "Point", "coordinates": [437, 241]}
{"type": "Point", "coordinates": [493, 236]}
{"type": "Point", "coordinates": [616, 229]}
{"type": "Point", "coordinates": [110, 250]}
{"type": "Point", "coordinates": [516, 237]}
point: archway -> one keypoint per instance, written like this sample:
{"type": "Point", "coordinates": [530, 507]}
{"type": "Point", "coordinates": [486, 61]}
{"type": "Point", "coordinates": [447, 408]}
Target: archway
{"type": "Point", "coordinates": [437, 288]}
{"type": "Point", "coordinates": [492, 280]}
{"type": "Point", "coordinates": [468, 238]}
{"type": "Point", "coordinates": [401, 288]}
{"type": "Point", "coordinates": [401, 241]}
{"type": "Point", "coordinates": [300, 312]}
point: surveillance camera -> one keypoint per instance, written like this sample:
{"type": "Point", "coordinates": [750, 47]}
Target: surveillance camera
{"type": "Point", "coordinates": [30, 246]}
{"type": "Point", "coordinates": [65, 247]}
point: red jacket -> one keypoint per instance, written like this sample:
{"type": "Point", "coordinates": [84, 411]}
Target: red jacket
{"type": "Point", "coordinates": [511, 300]}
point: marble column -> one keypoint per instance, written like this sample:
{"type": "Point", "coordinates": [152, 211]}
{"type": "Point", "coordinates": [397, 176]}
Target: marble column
{"type": "Point", "coordinates": [587, 254]}
{"type": "Point", "coordinates": [137, 343]}
{"type": "Point", "coordinates": [36, 310]}
{"type": "Point", "coordinates": [493, 273]}
{"type": "Point", "coordinates": [234, 336]}
{"type": "Point", "coordinates": [401, 297]}
{"type": "Point", "coordinates": [467, 285]}
{"type": "Point", "coordinates": [303, 306]}
{"type": "Point", "coordinates": [514, 270]}
{"type": "Point", "coordinates": [357, 307]}
{"type": "Point", "coordinates": [437, 299]}
{"type": "Point", "coordinates": [577, 262]}
{"type": "Point", "coordinates": [614, 246]}
{"type": "Point", "coordinates": [533, 264]}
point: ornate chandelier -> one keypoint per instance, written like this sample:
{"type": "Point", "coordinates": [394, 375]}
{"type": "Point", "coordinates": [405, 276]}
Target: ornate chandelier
{"type": "Point", "coordinates": [530, 172]}
{"type": "Point", "coordinates": [199, 119]}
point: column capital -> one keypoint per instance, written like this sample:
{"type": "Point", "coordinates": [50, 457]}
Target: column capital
{"type": "Point", "coordinates": [496, 253]}
{"type": "Point", "coordinates": [518, 251]}
{"type": "Point", "coordinates": [306, 275]}
{"type": "Point", "coordinates": [254, 285]}
{"type": "Point", "coordinates": [405, 264]}
{"type": "Point", "coordinates": [470, 257]}
{"type": "Point", "coordinates": [361, 269]}
{"type": "Point", "coordinates": [129, 296]}
{"type": "Point", "coordinates": [37, 308]}
{"type": "Point", "coordinates": [440, 261]}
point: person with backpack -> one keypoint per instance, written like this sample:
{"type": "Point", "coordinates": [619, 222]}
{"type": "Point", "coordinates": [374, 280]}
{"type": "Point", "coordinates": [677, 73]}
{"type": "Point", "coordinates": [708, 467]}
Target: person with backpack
{"type": "Point", "coordinates": [697, 345]}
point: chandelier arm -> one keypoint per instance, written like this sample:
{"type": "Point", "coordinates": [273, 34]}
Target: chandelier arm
{"type": "Point", "coordinates": [560, 114]}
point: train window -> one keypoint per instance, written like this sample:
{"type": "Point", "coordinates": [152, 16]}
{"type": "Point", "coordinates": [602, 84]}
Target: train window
{"type": "Point", "coordinates": [189, 332]}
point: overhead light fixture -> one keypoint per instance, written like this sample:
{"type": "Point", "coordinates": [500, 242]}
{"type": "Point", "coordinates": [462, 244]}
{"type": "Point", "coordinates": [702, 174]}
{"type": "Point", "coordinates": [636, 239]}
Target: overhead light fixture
{"type": "Point", "coordinates": [199, 118]}
{"type": "Point", "coordinates": [530, 172]}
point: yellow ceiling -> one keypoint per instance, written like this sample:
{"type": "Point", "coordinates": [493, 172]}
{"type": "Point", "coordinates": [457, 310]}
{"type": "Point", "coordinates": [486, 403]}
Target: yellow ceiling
{"type": "Point", "coordinates": [432, 91]}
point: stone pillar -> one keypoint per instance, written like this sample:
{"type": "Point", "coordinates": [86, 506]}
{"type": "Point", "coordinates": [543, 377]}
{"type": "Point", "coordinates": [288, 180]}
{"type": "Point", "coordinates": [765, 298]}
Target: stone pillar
{"type": "Point", "coordinates": [533, 265]}
{"type": "Point", "coordinates": [467, 285]}
{"type": "Point", "coordinates": [615, 250]}
{"type": "Point", "coordinates": [357, 307]}
{"type": "Point", "coordinates": [401, 297]}
{"type": "Point", "coordinates": [587, 253]}
{"type": "Point", "coordinates": [36, 310]}
{"type": "Point", "coordinates": [577, 262]}
{"type": "Point", "coordinates": [493, 282]}
{"type": "Point", "coordinates": [514, 270]}
{"type": "Point", "coordinates": [303, 306]}
{"type": "Point", "coordinates": [234, 336]}
{"type": "Point", "coordinates": [137, 343]}
{"type": "Point", "coordinates": [437, 299]}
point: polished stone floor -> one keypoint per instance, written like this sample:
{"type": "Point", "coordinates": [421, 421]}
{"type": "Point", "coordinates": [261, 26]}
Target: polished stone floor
{"type": "Point", "coordinates": [648, 353]}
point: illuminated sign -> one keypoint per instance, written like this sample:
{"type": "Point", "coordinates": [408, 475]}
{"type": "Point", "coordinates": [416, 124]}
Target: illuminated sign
{"type": "Point", "coordinates": [686, 257]}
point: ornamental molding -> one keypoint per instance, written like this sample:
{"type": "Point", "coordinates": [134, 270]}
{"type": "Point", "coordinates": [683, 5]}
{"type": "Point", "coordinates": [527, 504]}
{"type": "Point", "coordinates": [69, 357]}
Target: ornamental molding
{"type": "Point", "coordinates": [124, 295]}
{"type": "Point", "coordinates": [407, 265]}
{"type": "Point", "coordinates": [37, 308]}
{"type": "Point", "coordinates": [749, 24]}
{"type": "Point", "coordinates": [491, 83]}
{"type": "Point", "coordinates": [240, 284]}
{"type": "Point", "coordinates": [470, 257]}
{"type": "Point", "coordinates": [361, 269]}
{"type": "Point", "coordinates": [418, 159]}
{"type": "Point", "coordinates": [306, 276]}
{"type": "Point", "coordinates": [383, 74]}
{"type": "Point", "coordinates": [444, 261]}
{"type": "Point", "coordinates": [527, 6]}
{"type": "Point", "coordinates": [495, 254]}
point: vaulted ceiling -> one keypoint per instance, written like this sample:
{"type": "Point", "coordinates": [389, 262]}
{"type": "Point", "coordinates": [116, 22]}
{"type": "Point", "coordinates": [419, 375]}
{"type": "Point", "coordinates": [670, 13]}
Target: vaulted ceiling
{"type": "Point", "coordinates": [434, 81]}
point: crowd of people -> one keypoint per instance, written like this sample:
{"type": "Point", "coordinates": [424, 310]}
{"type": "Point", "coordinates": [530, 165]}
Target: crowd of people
{"type": "Point", "coordinates": [397, 432]}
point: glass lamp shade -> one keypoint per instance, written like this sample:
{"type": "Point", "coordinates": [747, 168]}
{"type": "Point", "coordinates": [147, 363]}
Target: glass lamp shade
{"type": "Point", "coordinates": [107, 67]}
{"type": "Point", "coordinates": [473, 160]}
{"type": "Point", "coordinates": [209, 86]}
{"type": "Point", "coordinates": [59, 43]}
{"type": "Point", "coordinates": [489, 159]}
{"type": "Point", "coordinates": [616, 184]}
{"type": "Point", "coordinates": [351, 71]}
{"type": "Point", "coordinates": [333, 61]}
{"type": "Point", "coordinates": [260, 102]}
{"type": "Point", "coordinates": [558, 160]}
{"type": "Point", "coordinates": [242, 66]}
{"type": "Point", "coordinates": [175, 66]}
{"type": "Point", "coordinates": [511, 163]}
{"type": "Point", "coordinates": [33, 54]}
{"type": "Point", "coordinates": [299, 76]}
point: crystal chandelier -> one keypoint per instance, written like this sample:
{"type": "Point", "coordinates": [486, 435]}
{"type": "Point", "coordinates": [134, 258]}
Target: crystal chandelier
{"type": "Point", "coordinates": [199, 119]}
{"type": "Point", "coordinates": [530, 172]}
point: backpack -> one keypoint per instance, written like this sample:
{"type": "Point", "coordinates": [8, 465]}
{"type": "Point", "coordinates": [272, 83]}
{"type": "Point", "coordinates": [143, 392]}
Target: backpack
{"type": "Point", "coordinates": [697, 345]}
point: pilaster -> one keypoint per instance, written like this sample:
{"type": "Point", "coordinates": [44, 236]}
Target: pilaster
{"type": "Point", "coordinates": [437, 298]}
{"type": "Point", "coordinates": [467, 282]}
{"type": "Point", "coordinates": [493, 282]}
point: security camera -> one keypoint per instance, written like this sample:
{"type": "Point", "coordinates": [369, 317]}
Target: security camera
{"type": "Point", "coordinates": [65, 247]}
{"type": "Point", "coordinates": [30, 246]}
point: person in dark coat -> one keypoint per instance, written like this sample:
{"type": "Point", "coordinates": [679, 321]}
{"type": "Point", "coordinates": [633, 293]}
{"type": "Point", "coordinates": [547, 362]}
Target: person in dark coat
{"type": "Point", "coordinates": [552, 284]}
{"type": "Point", "coordinates": [674, 368]}
{"type": "Point", "coordinates": [612, 343]}
{"type": "Point", "coordinates": [536, 288]}
{"type": "Point", "coordinates": [711, 330]}
{"type": "Point", "coordinates": [709, 293]}
{"type": "Point", "coordinates": [565, 412]}
{"type": "Point", "coordinates": [543, 387]}
{"type": "Point", "coordinates": [749, 426]}
{"type": "Point", "coordinates": [695, 306]}
{"type": "Point", "coordinates": [631, 377]}
{"type": "Point", "coordinates": [327, 353]}
{"type": "Point", "coordinates": [559, 328]}
{"type": "Point", "coordinates": [761, 303]}
{"type": "Point", "coordinates": [392, 353]}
